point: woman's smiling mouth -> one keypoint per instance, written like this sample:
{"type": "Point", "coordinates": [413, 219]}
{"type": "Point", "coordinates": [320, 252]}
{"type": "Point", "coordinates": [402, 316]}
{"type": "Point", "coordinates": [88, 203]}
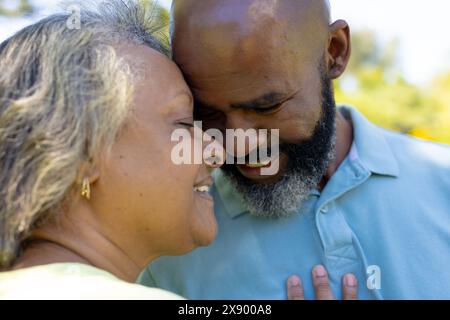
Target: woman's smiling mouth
{"type": "Point", "coordinates": [203, 187]}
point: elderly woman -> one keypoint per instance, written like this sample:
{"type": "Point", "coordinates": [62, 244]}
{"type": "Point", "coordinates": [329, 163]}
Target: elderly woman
{"type": "Point", "coordinates": [89, 195]}
{"type": "Point", "coordinates": [88, 188]}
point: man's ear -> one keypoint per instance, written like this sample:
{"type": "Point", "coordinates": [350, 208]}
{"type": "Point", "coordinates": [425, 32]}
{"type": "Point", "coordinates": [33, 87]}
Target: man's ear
{"type": "Point", "coordinates": [339, 48]}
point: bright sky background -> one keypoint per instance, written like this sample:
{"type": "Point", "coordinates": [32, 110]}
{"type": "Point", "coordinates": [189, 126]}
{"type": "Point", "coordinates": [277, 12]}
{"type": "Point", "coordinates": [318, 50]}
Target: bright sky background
{"type": "Point", "coordinates": [421, 26]}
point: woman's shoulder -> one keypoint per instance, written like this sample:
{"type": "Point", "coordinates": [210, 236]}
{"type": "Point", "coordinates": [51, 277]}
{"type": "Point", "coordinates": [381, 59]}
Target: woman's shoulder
{"type": "Point", "coordinates": [67, 281]}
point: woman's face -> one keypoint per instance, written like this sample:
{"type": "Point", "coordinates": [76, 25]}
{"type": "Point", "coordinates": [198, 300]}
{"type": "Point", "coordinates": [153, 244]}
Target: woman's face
{"type": "Point", "coordinates": [146, 202]}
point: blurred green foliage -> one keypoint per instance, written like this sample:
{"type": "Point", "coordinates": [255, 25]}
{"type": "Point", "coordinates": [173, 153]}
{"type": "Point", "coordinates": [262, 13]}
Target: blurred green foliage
{"type": "Point", "coordinates": [162, 14]}
{"type": "Point", "coordinates": [23, 7]}
{"type": "Point", "coordinates": [160, 20]}
{"type": "Point", "coordinates": [374, 86]}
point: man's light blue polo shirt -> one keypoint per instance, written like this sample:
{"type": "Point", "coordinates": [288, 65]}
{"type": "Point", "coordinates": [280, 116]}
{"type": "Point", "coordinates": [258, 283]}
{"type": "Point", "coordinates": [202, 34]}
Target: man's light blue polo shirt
{"type": "Point", "coordinates": [384, 215]}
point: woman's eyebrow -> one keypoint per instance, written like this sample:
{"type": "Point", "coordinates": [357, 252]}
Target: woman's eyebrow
{"type": "Point", "coordinates": [175, 104]}
{"type": "Point", "coordinates": [180, 96]}
{"type": "Point", "coordinates": [184, 94]}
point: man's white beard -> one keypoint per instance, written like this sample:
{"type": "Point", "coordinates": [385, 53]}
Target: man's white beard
{"type": "Point", "coordinates": [285, 197]}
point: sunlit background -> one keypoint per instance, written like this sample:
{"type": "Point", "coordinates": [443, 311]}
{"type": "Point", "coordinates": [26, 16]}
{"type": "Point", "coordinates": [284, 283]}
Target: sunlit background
{"type": "Point", "coordinates": [400, 71]}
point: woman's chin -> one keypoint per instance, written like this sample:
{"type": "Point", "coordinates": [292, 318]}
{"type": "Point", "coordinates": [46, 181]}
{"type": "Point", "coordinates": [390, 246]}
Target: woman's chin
{"type": "Point", "coordinates": [207, 236]}
{"type": "Point", "coordinates": [205, 228]}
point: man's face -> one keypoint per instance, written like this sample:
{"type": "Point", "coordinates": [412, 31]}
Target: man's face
{"type": "Point", "coordinates": [253, 76]}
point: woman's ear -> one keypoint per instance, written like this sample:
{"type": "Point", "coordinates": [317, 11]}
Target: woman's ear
{"type": "Point", "coordinates": [89, 171]}
{"type": "Point", "coordinates": [94, 175]}
{"type": "Point", "coordinates": [339, 48]}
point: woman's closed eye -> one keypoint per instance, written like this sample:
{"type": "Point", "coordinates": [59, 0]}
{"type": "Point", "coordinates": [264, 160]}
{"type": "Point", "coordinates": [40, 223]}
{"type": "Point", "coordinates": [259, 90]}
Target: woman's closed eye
{"type": "Point", "coordinates": [187, 123]}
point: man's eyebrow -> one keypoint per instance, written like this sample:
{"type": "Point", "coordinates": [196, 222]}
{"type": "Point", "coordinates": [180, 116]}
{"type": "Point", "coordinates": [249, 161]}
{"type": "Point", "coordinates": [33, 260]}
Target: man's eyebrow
{"type": "Point", "coordinates": [266, 101]}
{"type": "Point", "coordinates": [203, 105]}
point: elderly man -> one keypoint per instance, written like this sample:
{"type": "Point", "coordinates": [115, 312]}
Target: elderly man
{"type": "Point", "coordinates": [349, 195]}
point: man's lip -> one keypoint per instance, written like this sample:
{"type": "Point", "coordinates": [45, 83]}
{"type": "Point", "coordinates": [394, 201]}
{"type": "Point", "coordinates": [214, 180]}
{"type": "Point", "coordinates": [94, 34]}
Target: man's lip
{"type": "Point", "coordinates": [251, 173]}
{"type": "Point", "coordinates": [248, 168]}
{"type": "Point", "coordinates": [257, 166]}
{"type": "Point", "coordinates": [256, 174]}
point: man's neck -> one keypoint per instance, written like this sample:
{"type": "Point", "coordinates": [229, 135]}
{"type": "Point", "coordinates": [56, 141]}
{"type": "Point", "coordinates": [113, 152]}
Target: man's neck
{"type": "Point", "coordinates": [344, 140]}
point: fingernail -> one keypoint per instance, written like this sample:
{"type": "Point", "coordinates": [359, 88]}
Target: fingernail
{"type": "Point", "coordinates": [350, 280]}
{"type": "Point", "coordinates": [294, 281]}
{"type": "Point", "coordinates": [320, 272]}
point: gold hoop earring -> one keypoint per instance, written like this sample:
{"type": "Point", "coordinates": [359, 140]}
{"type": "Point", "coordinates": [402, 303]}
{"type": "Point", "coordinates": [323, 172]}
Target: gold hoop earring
{"type": "Point", "coordinates": [86, 189]}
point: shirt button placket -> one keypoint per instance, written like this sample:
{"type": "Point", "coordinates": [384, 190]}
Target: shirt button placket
{"type": "Point", "coordinates": [324, 209]}
{"type": "Point", "coordinates": [337, 240]}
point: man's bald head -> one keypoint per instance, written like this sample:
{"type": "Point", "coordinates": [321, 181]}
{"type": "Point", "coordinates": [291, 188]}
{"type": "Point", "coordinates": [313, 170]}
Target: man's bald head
{"type": "Point", "coordinates": [227, 28]}
{"type": "Point", "coordinates": [255, 9]}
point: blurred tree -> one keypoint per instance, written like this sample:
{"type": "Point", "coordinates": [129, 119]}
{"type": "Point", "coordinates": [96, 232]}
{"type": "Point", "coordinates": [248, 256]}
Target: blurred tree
{"type": "Point", "coordinates": [440, 96]}
{"type": "Point", "coordinates": [22, 8]}
{"type": "Point", "coordinates": [375, 86]}
{"type": "Point", "coordinates": [161, 18]}
{"type": "Point", "coordinates": [163, 13]}
{"type": "Point", "coordinates": [368, 52]}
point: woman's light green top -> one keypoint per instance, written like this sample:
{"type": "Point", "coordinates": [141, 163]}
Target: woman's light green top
{"type": "Point", "coordinates": [72, 281]}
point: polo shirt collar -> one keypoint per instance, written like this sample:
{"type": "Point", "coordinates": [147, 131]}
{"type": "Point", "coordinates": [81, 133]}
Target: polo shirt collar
{"type": "Point", "coordinates": [373, 150]}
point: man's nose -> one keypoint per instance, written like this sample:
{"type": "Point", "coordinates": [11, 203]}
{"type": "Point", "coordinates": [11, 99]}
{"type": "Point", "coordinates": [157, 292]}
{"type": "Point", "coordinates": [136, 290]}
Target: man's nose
{"type": "Point", "coordinates": [246, 133]}
{"type": "Point", "coordinates": [213, 152]}
{"type": "Point", "coordinates": [239, 120]}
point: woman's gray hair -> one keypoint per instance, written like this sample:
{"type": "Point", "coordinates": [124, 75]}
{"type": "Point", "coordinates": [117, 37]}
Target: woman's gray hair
{"type": "Point", "coordinates": [64, 95]}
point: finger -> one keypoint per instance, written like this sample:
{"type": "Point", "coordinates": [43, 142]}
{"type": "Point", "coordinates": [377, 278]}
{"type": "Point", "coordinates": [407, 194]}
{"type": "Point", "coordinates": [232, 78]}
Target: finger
{"type": "Point", "coordinates": [295, 288]}
{"type": "Point", "coordinates": [321, 284]}
{"type": "Point", "coordinates": [349, 287]}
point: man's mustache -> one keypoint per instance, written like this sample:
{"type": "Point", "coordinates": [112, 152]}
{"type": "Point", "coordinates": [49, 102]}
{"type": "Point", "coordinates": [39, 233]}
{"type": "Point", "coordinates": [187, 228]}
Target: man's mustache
{"type": "Point", "coordinates": [258, 154]}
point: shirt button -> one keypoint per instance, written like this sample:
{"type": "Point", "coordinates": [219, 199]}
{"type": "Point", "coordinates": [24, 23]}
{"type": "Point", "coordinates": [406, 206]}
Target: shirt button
{"type": "Point", "coordinates": [324, 209]}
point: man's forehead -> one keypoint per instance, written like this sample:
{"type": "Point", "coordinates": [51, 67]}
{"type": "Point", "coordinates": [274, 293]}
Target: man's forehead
{"type": "Point", "coordinates": [248, 11]}
{"type": "Point", "coordinates": [225, 28]}
{"type": "Point", "coordinates": [263, 9]}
